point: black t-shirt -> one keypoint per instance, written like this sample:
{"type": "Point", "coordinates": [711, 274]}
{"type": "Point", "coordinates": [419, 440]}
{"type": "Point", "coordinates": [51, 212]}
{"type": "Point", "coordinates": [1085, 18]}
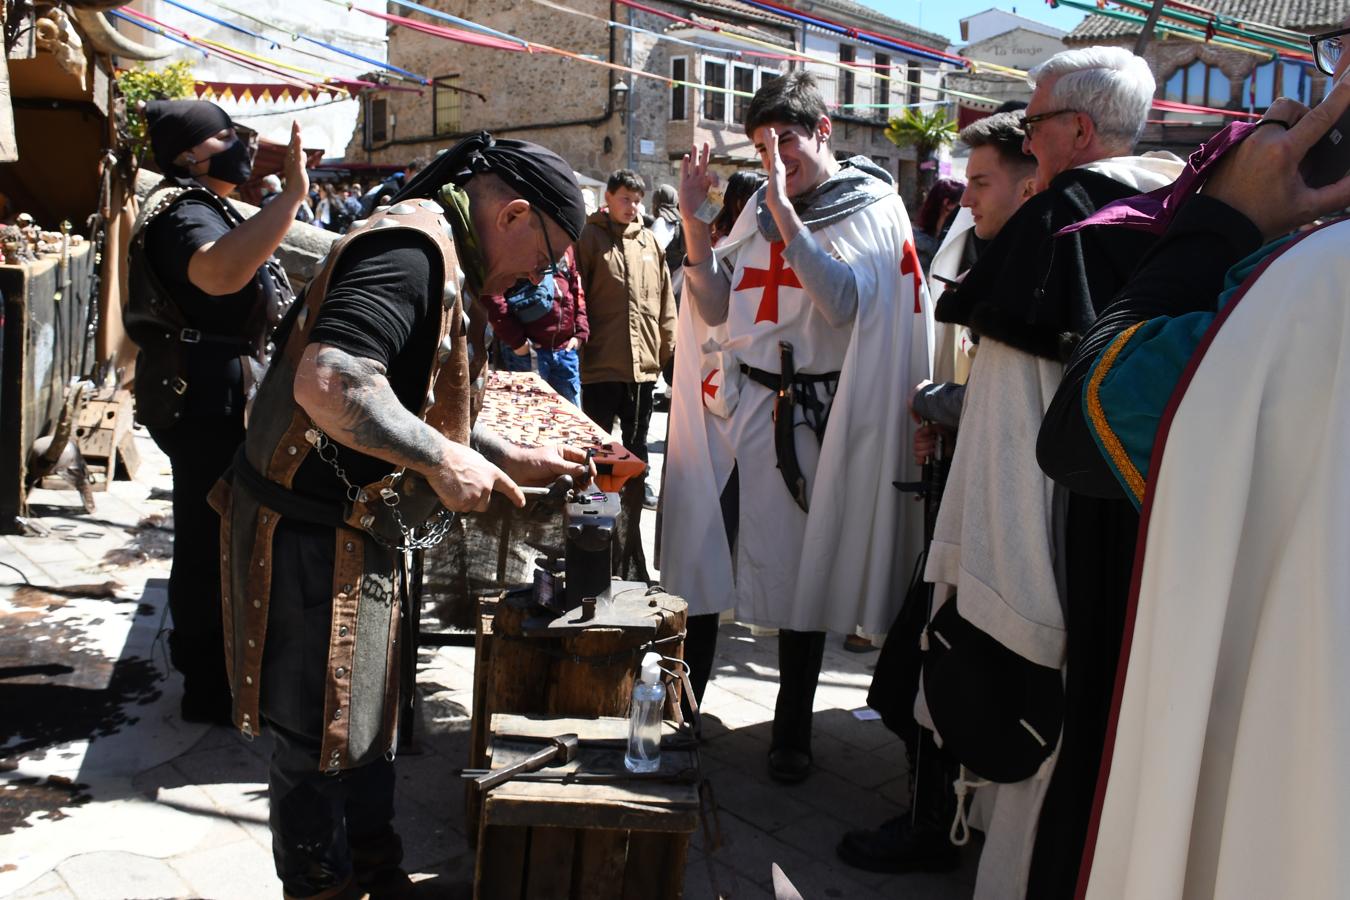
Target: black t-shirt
{"type": "Point", "coordinates": [383, 304]}
{"type": "Point", "coordinates": [213, 372]}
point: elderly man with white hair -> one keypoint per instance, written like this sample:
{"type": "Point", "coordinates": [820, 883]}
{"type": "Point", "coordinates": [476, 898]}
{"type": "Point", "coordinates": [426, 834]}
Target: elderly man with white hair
{"type": "Point", "coordinates": [1018, 656]}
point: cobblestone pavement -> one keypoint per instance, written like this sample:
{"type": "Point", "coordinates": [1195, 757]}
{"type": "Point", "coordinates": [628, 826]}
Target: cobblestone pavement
{"type": "Point", "coordinates": [104, 793]}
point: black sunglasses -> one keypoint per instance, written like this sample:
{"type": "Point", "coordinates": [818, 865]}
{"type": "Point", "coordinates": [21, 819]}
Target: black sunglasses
{"type": "Point", "coordinates": [1030, 122]}
{"type": "Point", "coordinates": [552, 267]}
{"type": "Point", "coordinates": [1326, 49]}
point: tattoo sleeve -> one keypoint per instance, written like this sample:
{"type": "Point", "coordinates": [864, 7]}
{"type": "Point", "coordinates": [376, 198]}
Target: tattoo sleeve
{"type": "Point", "coordinates": [357, 407]}
{"type": "Point", "coordinates": [488, 443]}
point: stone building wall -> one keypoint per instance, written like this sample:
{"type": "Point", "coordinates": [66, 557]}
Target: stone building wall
{"type": "Point", "coordinates": [541, 97]}
{"type": "Point", "coordinates": [648, 103]}
{"type": "Point", "coordinates": [559, 102]}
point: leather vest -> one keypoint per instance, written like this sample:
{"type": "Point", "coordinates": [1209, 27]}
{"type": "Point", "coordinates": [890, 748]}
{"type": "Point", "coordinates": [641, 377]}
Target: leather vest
{"type": "Point", "coordinates": [154, 321]}
{"type": "Point", "coordinates": [369, 576]}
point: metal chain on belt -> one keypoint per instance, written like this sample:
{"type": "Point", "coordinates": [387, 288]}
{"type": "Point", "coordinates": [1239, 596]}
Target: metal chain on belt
{"type": "Point", "coordinates": [432, 533]}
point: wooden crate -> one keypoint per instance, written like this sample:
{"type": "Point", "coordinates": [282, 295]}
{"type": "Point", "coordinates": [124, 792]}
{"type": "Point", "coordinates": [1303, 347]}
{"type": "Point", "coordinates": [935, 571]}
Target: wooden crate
{"type": "Point", "coordinates": [514, 674]}
{"type": "Point", "coordinates": [128, 457]}
{"type": "Point", "coordinates": [102, 430]}
{"type": "Point", "coordinates": [583, 841]}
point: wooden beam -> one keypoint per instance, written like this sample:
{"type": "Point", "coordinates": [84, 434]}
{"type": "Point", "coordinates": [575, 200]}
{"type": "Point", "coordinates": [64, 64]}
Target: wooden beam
{"type": "Point", "coordinates": [1147, 34]}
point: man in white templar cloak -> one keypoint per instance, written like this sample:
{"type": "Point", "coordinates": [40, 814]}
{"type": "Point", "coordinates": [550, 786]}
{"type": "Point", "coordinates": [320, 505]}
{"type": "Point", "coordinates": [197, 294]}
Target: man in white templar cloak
{"type": "Point", "coordinates": [821, 258]}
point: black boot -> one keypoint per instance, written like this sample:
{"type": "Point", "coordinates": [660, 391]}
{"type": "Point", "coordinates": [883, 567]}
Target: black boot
{"type": "Point", "coordinates": [377, 865]}
{"type": "Point", "coordinates": [700, 650]}
{"type": "Point", "coordinates": [206, 690]}
{"type": "Point", "coordinates": [799, 657]}
{"type": "Point", "coordinates": [917, 841]}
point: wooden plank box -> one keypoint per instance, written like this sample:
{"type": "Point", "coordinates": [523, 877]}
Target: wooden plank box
{"type": "Point", "coordinates": [583, 841]}
{"type": "Point", "coordinates": [540, 675]}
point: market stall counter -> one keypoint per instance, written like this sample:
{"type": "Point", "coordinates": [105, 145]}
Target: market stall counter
{"type": "Point", "coordinates": [47, 341]}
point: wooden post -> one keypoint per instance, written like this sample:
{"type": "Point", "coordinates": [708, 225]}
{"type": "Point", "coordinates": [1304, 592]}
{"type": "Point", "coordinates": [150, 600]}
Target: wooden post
{"type": "Point", "coordinates": [1149, 25]}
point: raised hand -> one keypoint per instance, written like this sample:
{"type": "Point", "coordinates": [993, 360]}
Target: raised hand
{"type": "Point", "coordinates": [695, 180]}
{"type": "Point", "coordinates": [1260, 179]}
{"type": "Point", "coordinates": [776, 191]}
{"type": "Point", "coordinates": [293, 170]}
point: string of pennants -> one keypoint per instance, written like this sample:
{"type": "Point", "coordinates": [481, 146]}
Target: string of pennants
{"type": "Point", "coordinates": [300, 84]}
{"type": "Point", "coordinates": [264, 92]}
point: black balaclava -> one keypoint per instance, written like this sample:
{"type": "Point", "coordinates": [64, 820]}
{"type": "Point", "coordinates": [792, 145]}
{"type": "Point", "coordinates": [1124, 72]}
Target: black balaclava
{"type": "Point", "coordinates": [231, 165]}
{"type": "Point", "coordinates": [540, 176]}
{"type": "Point", "coordinates": [179, 125]}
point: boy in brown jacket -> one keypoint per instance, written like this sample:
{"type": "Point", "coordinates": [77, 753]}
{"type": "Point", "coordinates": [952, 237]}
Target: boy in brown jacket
{"type": "Point", "coordinates": [631, 307]}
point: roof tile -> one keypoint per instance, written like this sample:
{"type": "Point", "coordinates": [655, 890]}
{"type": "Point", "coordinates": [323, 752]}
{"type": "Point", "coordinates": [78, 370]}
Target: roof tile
{"type": "Point", "coordinates": [1301, 15]}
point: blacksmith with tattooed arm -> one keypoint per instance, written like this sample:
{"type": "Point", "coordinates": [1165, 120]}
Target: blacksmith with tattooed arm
{"type": "Point", "coordinates": [360, 434]}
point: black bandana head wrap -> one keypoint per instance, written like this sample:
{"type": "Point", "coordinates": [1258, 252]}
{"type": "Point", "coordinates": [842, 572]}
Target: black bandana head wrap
{"type": "Point", "coordinates": [537, 174]}
{"type": "Point", "coordinates": [178, 125]}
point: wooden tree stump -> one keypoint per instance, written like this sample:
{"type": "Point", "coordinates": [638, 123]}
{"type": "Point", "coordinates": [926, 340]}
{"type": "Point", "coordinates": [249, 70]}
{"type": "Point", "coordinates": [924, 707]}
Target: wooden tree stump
{"type": "Point", "coordinates": [595, 688]}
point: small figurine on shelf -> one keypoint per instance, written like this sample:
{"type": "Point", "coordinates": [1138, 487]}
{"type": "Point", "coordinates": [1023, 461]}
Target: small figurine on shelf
{"type": "Point", "coordinates": [14, 245]}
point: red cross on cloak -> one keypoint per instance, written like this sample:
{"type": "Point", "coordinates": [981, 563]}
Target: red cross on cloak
{"type": "Point", "coordinates": [709, 388]}
{"type": "Point", "coordinates": [909, 265]}
{"type": "Point", "coordinates": [770, 279]}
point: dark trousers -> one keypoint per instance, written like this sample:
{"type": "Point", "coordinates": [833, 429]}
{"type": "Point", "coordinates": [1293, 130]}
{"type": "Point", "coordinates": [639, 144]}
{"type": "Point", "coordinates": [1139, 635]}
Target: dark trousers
{"type": "Point", "coordinates": [1099, 562]}
{"type": "Point", "coordinates": [325, 828]}
{"type": "Point", "coordinates": [931, 774]}
{"type": "Point", "coordinates": [603, 401]}
{"type": "Point", "coordinates": [200, 449]}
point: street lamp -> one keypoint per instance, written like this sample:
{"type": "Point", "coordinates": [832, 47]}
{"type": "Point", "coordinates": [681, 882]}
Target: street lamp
{"type": "Point", "coordinates": [620, 93]}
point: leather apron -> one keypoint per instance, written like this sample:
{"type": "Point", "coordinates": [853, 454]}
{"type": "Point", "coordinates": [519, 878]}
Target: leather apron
{"type": "Point", "coordinates": [362, 684]}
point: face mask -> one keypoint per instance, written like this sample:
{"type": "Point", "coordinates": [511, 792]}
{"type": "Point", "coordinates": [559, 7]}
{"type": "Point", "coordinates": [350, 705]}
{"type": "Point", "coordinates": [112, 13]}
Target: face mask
{"type": "Point", "coordinates": [232, 164]}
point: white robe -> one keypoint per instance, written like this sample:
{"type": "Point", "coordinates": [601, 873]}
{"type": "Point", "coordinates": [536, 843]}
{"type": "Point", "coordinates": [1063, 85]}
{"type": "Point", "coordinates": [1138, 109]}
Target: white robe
{"type": "Point", "coordinates": [1227, 776]}
{"type": "Point", "coordinates": [953, 350]}
{"type": "Point", "coordinates": [843, 565]}
{"type": "Point", "coordinates": [995, 544]}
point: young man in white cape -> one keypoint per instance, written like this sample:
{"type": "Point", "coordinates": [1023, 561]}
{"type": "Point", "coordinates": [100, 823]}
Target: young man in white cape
{"type": "Point", "coordinates": [995, 187]}
{"type": "Point", "coordinates": [801, 530]}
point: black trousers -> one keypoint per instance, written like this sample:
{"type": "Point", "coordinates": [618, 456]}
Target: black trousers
{"type": "Point", "coordinates": [200, 449]}
{"type": "Point", "coordinates": [326, 829]}
{"type": "Point", "coordinates": [603, 401]}
{"type": "Point", "coordinates": [1100, 538]}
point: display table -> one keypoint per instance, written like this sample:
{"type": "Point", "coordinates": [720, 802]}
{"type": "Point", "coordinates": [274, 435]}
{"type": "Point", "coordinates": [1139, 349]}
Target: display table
{"type": "Point", "coordinates": [47, 341]}
{"type": "Point", "coordinates": [489, 552]}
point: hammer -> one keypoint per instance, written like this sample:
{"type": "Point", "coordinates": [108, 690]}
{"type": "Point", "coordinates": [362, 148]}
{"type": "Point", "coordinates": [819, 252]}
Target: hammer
{"type": "Point", "coordinates": [561, 749]}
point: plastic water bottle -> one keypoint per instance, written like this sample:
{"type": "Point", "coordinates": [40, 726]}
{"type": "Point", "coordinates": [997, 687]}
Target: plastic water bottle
{"type": "Point", "coordinates": [644, 718]}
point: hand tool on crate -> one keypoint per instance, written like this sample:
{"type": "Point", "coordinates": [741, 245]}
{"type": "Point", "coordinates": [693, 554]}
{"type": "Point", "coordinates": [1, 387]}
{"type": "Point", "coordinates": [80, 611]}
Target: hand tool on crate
{"type": "Point", "coordinates": [561, 749]}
